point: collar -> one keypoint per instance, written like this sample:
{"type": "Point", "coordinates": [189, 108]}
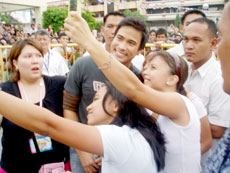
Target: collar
{"type": "Point", "coordinates": [203, 70]}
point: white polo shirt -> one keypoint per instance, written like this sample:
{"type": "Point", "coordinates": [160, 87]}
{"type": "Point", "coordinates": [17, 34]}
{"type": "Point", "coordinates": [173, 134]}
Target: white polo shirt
{"type": "Point", "coordinates": [54, 64]}
{"type": "Point", "coordinates": [207, 83]}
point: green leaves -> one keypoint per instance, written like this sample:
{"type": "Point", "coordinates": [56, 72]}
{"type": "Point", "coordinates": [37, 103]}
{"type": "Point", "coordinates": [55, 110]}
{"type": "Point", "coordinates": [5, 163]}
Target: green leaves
{"type": "Point", "coordinates": [56, 16]}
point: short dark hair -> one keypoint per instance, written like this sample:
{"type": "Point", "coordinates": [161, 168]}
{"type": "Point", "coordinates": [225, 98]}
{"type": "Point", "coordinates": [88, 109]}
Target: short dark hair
{"type": "Point", "coordinates": [210, 23]}
{"type": "Point", "coordinates": [136, 24]}
{"type": "Point", "coordinates": [161, 31]}
{"type": "Point", "coordinates": [152, 30]}
{"type": "Point", "coordinates": [61, 35]}
{"type": "Point", "coordinates": [114, 13]}
{"type": "Point", "coordinates": [192, 12]}
{"type": "Point", "coordinates": [42, 32]}
{"type": "Point", "coordinates": [226, 1]}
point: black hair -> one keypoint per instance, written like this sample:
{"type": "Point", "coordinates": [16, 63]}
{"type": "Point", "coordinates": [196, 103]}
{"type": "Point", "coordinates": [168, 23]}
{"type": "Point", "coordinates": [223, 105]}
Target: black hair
{"type": "Point", "coordinates": [114, 13]}
{"type": "Point", "coordinates": [192, 12]}
{"type": "Point", "coordinates": [210, 23]}
{"type": "Point", "coordinates": [61, 35]}
{"type": "Point", "coordinates": [161, 31]}
{"type": "Point", "coordinates": [42, 32]}
{"type": "Point", "coordinates": [152, 30]}
{"type": "Point", "coordinates": [136, 24]}
{"type": "Point", "coordinates": [133, 115]}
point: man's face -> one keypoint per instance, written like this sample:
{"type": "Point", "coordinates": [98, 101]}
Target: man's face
{"type": "Point", "coordinates": [64, 40]}
{"type": "Point", "coordinates": [197, 44]}
{"type": "Point", "coordinates": [161, 37]}
{"type": "Point", "coordinates": [189, 18]}
{"type": "Point", "coordinates": [109, 28]}
{"type": "Point", "coordinates": [125, 45]}
{"type": "Point", "coordinates": [223, 47]}
{"type": "Point", "coordinates": [44, 41]}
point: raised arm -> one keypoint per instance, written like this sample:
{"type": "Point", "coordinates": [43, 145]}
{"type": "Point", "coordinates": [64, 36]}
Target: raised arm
{"type": "Point", "coordinates": [44, 122]}
{"type": "Point", "coordinates": [170, 104]}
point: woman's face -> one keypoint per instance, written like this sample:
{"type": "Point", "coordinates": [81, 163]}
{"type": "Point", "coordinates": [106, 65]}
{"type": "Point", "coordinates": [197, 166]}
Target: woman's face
{"type": "Point", "coordinates": [96, 114]}
{"type": "Point", "coordinates": [152, 37]}
{"type": "Point", "coordinates": [156, 73]}
{"type": "Point", "coordinates": [29, 63]}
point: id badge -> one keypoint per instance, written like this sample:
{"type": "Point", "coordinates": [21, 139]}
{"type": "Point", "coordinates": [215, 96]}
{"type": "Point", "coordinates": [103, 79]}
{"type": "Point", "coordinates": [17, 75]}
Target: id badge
{"type": "Point", "coordinates": [44, 143]}
{"type": "Point", "coordinates": [32, 146]}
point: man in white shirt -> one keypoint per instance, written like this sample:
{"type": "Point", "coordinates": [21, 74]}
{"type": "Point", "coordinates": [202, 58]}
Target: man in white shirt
{"type": "Point", "coordinates": [54, 63]}
{"type": "Point", "coordinates": [186, 19]}
{"type": "Point", "coordinates": [33, 29]}
{"type": "Point", "coordinates": [204, 78]}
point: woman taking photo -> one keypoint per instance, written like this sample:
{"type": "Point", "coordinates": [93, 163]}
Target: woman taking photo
{"type": "Point", "coordinates": [21, 149]}
{"type": "Point", "coordinates": [162, 93]}
{"type": "Point", "coordinates": [133, 137]}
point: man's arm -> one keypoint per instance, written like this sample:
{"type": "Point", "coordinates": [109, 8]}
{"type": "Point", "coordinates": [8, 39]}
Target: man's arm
{"type": "Point", "coordinates": [217, 131]}
{"type": "Point", "coordinates": [70, 103]}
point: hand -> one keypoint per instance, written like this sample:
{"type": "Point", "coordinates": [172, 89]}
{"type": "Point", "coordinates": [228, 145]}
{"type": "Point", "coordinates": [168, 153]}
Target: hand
{"type": "Point", "coordinates": [98, 161]}
{"type": "Point", "coordinates": [87, 161]}
{"type": "Point", "coordinates": [158, 44]}
{"type": "Point", "coordinates": [78, 30]}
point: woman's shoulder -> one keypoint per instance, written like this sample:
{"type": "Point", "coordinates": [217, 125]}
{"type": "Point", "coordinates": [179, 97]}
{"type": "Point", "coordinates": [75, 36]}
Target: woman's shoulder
{"type": "Point", "coordinates": [54, 81]}
{"type": "Point", "coordinates": [8, 85]}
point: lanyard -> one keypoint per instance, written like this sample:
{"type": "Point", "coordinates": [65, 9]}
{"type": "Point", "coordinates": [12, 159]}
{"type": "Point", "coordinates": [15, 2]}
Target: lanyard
{"type": "Point", "coordinates": [21, 87]}
{"type": "Point", "coordinates": [48, 62]}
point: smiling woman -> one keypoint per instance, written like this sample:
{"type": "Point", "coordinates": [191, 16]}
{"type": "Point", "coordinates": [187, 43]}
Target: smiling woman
{"type": "Point", "coordinates": [27, 83]}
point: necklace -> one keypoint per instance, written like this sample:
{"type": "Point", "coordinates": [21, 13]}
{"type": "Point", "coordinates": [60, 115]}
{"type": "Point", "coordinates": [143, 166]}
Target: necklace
{"type": "Point", "coordinates": [22, 90]}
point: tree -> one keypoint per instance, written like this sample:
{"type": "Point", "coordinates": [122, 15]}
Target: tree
{"type": "Point", "coordinates": [89, 17]}
{"type": "Point", "coordinates": [54, 17]}
{"type": "Point", "coordinates": [4, 17]}
{"type": "Point", "coordinates": [98, 26]}
{"type": "Point", "coordinates": [177, 21]}
{"type": "Point", "coordinates": [137, 15]}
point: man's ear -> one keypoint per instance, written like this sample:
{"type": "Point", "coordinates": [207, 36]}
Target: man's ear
{"type": "Point", "coordinates": [214, 43]}
{"type": "Point", "coordinates": [181, 28]}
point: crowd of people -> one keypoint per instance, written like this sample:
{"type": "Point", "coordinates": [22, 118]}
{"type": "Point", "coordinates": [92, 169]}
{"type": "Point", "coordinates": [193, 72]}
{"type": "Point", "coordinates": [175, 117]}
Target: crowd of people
{"type": "Point", "coordinates": [115, 110]}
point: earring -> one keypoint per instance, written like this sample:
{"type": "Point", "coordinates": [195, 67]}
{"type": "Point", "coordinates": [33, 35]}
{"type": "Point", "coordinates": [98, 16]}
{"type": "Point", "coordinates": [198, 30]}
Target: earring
{"type": "Point", "coordinates": [16, 68]}
{"type": "Point", "coordinates": [167, 82]}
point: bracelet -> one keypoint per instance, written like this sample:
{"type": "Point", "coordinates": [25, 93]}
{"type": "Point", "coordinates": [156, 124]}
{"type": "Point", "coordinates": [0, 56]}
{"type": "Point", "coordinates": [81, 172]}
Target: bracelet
{"type": "Point", "coordinates": [107, 64]}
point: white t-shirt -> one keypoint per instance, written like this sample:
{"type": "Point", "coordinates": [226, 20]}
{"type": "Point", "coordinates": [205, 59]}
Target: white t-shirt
{"type": "Point", "coordinates": [182, 142]}
{"type": "Point", "coordinates": [125, 151]}
{"type": "Point", "coordinates": [54, 64]}
{"type": "Point", "coordinates": [178, 50]}
{"type": "Point", "coordinates": [138, 61]}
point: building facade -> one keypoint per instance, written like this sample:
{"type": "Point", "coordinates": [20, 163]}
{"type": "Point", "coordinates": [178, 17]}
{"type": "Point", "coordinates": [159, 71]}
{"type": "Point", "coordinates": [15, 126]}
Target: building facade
{"type": "Point", "coordinates": [160, 13]}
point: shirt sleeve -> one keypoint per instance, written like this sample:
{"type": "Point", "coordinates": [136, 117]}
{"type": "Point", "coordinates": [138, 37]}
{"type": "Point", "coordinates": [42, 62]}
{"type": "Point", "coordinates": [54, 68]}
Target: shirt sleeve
{"type": "Point", "coordinates": [74, 80]}
{"type": "Point", "coordinates": [62, 66]}
{"type": "Point", "coordinates": [115, 143]}
{"type": "Point", "coordinates": [219, 105]}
